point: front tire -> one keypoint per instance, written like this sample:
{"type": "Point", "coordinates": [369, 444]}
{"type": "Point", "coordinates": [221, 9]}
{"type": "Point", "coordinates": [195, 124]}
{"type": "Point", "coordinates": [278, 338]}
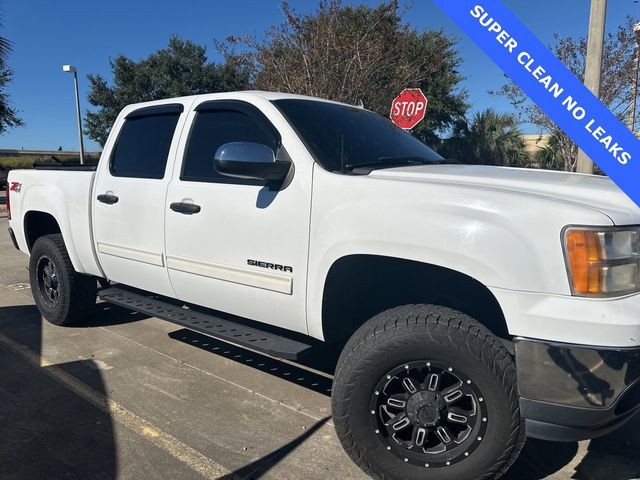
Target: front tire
{"type": "Point", "coordinates": [63, 296]}
{"type": "Point", "coordinates": [426, 392]}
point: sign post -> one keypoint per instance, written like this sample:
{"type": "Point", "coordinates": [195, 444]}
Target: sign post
{"type": "Point", "coordinates": [408, 108]}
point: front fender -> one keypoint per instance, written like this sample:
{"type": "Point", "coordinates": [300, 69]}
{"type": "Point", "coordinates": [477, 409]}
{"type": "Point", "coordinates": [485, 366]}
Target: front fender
{"type": "Point", "coordinates": [502, 239]}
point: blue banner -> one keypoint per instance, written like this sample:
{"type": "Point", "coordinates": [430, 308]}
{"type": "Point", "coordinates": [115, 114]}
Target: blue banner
{"type": "Point", "coordinates": [530, 64]}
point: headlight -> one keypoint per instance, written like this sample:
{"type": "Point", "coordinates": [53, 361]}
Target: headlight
{"type": "Point", "coordinates": [603, 262]}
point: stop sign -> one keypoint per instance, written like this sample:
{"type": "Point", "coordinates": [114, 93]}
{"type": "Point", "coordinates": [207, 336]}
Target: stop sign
{"type": "Point", "coordinates": [408, 108]}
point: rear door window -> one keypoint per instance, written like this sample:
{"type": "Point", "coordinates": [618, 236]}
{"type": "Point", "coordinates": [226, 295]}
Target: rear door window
{"type": "Point", "coordinates": [143, 145]}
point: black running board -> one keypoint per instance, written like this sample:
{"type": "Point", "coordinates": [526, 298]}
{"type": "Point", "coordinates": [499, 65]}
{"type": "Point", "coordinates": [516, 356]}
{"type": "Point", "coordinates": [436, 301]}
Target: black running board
{"type": "Point", "coordinates": [216, 327]}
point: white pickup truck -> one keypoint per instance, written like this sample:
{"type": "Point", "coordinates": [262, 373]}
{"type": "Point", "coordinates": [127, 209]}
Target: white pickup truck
{"type": "Point", "coordinates": [474, 305]}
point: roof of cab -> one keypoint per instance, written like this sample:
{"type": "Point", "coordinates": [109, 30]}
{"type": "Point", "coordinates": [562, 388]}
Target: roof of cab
{"type": "Point", "coordinates": [238, 95]}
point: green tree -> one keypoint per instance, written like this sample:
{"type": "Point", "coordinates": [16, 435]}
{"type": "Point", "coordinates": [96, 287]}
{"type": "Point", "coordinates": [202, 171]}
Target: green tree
{"type": "Point", "coordinates": [8, 115]}
{"type": "Point", "coordinates": [356, 54]}
{"type": "Point", "coordinates": [181, 69]}
{"type": "Point", "coordinates": [550, 157]}
{"type": "Point", "coordinates": [615, 91]}
{"type": "Point", "coordinates": [490, 138]}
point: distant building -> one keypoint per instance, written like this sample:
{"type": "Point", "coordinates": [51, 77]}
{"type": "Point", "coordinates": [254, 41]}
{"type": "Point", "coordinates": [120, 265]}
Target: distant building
{"type": "Point", "coordinates": [534, 143]}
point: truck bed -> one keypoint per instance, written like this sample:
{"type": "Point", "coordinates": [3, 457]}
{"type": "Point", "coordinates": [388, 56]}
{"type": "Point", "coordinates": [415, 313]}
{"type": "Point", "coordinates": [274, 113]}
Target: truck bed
{"type": "Point", "coordinates": [65, 192]}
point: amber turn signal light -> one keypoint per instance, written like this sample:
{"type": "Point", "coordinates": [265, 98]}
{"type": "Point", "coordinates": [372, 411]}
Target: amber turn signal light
{"type": "Point", "coordinates": [584, 254]}
{"type": "Point", "coordinates": [603, 262]}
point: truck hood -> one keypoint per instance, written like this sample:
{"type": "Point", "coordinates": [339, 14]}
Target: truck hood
{"type": "Point", "coordinates": [589, 191]}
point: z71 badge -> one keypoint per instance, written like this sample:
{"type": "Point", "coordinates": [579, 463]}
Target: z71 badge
{"type": "Point", "coordinates": [15, 187]}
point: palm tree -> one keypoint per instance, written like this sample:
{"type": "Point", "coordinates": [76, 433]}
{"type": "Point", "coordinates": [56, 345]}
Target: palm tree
{"type": "Point", "coordinates": [550, 156]}
{"type": "Point", "coordinates": [8, 115]}
{"type": "Point", "coordinates": [495, 139]}
{"type": "Point", "coordinates": [5, 46]}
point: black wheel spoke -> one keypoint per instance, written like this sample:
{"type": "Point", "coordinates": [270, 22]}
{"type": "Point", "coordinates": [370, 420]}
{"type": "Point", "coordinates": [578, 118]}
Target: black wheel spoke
{"type": "Point", "coordinates": [457, 416]}
{"type": "Point", "coordinates": [397, 401]}
{"type": "Point", "coordinates": [444, 435]}
{"type": "Point", "coordinates": [433, 382]}
{"type": "Point", "coordinates": [409, 385]}
{"type": "Point", "coordinates": [453, 394]}
{"type": "Point", "coordinates": [419, 436]}
{"type": "Point", "coordinates": [399, 422]}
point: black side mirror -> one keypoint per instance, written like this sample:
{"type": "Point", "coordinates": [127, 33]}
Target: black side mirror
{"type": "Point", "coordinates": [250, 161]}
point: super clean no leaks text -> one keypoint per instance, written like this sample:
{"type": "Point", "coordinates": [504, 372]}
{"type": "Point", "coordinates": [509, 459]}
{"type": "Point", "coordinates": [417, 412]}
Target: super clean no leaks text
{"type": "Point", "coordinates": [546, 81]}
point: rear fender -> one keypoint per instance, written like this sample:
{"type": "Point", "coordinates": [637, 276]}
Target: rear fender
{"type": "Point", "coordinates": [71, 212]}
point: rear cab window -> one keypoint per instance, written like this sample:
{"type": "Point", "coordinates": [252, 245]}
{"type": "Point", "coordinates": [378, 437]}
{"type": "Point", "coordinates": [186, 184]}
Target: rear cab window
{"type": "Point", "coordinates": [143, 144]}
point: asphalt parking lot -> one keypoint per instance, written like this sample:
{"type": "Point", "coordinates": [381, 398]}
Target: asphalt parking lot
{"type": "Point", "coordinates": [130, 397]}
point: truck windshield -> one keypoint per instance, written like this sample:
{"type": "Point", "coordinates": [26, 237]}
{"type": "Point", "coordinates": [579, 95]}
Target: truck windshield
{"type": "Point", "coordinates": [347, 139]}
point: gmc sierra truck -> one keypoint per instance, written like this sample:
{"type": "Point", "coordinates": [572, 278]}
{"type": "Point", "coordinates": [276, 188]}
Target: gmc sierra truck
{"type": "Point", "coordinates": [474, 305]}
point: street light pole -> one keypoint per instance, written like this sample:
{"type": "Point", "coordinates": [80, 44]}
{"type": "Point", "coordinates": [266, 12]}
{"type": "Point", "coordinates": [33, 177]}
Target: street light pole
{"type": "Point", "coordinates": [631, 121]}
{"type": "Point", "coordinates": [593, 65]}
{"type": "Point", "coordinates": [72, 69]}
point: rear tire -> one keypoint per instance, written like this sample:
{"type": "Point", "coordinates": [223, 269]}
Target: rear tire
{"type": "Point", "coordinates": [426, 392]}
{"type": "Point", "coordinates": [63, 296]}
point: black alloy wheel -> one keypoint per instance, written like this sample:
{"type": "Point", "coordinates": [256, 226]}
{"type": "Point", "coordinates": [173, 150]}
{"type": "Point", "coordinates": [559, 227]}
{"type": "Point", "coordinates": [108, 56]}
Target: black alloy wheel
{"type": "Point", "coordinates": [48, 282]}
{"type": "Point", "coordinates": [427, 414]}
